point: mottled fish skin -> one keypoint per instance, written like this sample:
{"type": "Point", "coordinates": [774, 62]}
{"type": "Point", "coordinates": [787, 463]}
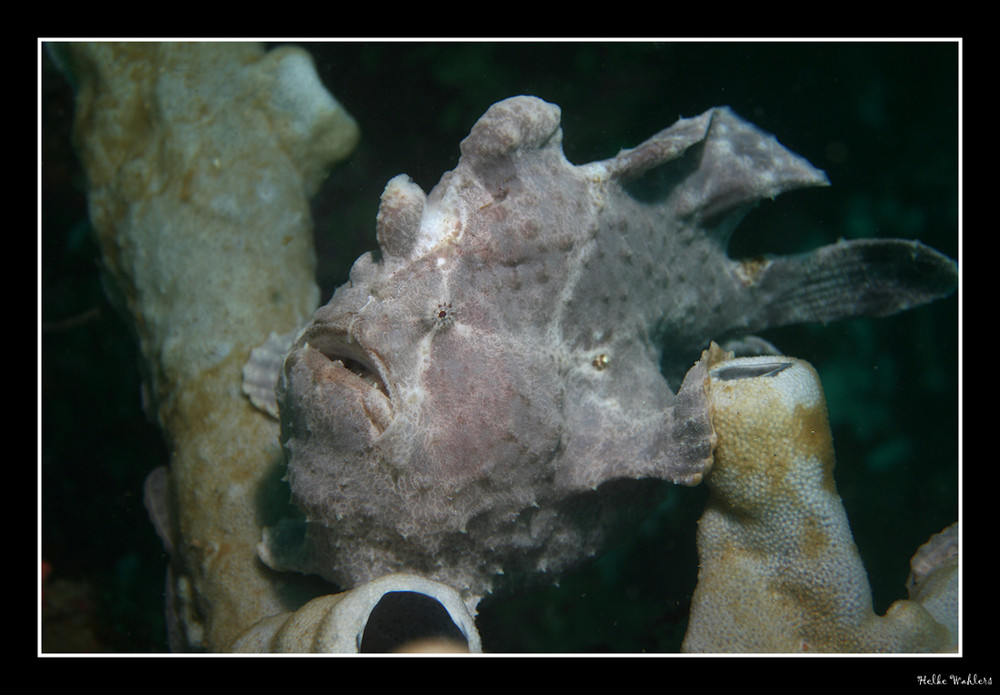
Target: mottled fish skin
{"type": "Point", "coordinates": [454, 407]}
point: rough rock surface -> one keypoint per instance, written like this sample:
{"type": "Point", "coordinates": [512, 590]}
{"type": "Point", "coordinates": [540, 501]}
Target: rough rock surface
{"type": "Point", "coordinates": [200, 159]}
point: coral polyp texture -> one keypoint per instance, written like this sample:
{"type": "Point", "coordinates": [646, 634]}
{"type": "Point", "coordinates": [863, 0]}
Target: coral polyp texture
{"type": "Point", "coordinates": [778, 567]}
{"type": "Point", "coordinates": [487, 396]}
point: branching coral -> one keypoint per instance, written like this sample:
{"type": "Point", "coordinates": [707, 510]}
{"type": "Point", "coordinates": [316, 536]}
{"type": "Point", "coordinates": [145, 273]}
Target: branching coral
{"type": "Point", "coordinates": [200, 160]}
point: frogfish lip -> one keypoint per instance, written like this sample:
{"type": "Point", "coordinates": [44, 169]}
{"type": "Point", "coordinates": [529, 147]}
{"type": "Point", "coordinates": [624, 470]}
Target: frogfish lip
{"type": "Point", "coordinates": [348, 365]}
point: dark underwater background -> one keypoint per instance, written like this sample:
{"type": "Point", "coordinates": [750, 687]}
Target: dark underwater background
{"type": "Point", "coordinates": [880, 118]}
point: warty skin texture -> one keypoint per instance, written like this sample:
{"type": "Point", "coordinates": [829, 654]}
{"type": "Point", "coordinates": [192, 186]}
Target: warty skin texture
{"type": "Point", "coordinates": [455, 406]}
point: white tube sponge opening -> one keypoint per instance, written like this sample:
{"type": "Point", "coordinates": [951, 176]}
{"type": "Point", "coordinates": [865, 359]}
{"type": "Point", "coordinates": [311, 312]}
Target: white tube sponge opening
{"type": "Point", "coordinates": [339, 623]}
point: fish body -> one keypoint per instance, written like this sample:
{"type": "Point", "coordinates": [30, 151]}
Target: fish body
{"type": "Point", "coordinates": [493, 391]}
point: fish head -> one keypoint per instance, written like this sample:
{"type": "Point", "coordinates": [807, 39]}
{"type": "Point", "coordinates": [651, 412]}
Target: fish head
{"type": "Point", "coordinates": [421, 408]}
